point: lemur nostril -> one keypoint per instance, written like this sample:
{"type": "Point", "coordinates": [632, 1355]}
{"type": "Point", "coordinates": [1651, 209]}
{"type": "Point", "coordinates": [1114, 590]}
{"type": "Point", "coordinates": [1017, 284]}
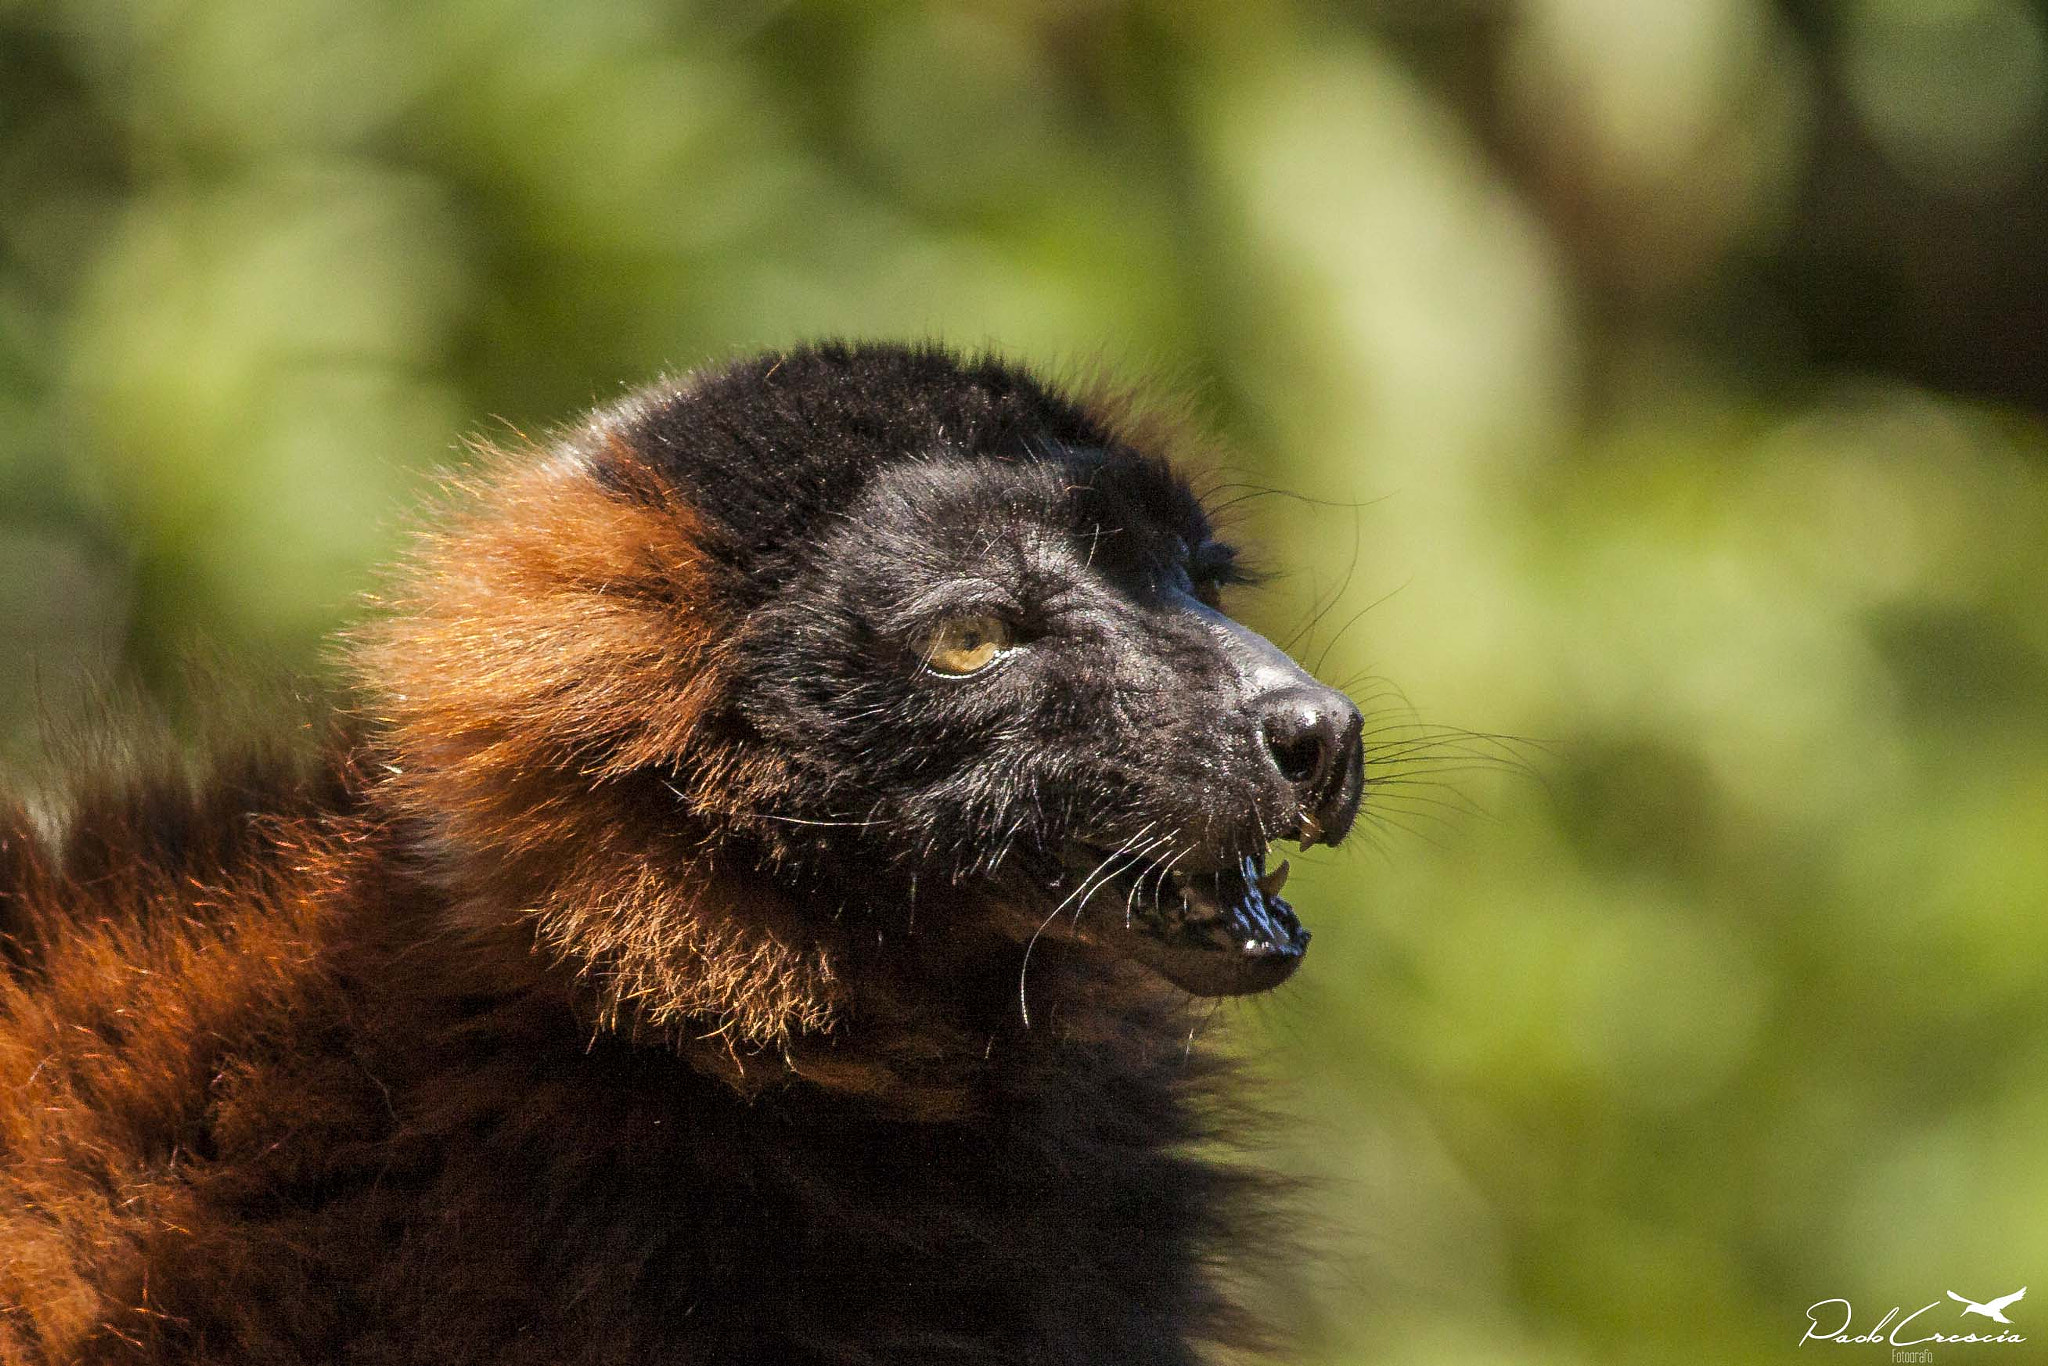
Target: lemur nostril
{"type": "Point", "coordinates": [1299, 758]}
{"type": "Point", "coordinates": [1301, 734]}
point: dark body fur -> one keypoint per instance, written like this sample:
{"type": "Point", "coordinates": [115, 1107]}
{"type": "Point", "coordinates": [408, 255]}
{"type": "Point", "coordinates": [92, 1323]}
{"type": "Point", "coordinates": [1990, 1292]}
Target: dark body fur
{"type": "Point", "coordinates": [636, 978]}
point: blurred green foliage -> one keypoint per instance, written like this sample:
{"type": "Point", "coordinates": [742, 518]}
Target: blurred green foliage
{"type": "Point", "coordinates": [1660, 384]}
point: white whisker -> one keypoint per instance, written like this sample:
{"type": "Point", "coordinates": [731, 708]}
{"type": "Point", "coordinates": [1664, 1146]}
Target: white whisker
{"type": "Point", "coordinates": [1083, 891]}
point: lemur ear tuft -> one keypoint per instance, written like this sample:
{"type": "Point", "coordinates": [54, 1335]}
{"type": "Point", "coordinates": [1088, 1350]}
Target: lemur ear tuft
{"type": "Point", "coordinates": [543, 622]}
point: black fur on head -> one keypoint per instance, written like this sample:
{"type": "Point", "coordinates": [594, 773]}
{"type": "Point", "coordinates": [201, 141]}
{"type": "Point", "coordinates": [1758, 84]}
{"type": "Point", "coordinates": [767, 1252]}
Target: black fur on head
{"type": "Point", "coordinates": [1127, 739]}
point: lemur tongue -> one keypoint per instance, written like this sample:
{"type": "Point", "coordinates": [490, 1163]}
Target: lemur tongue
{"type": "Point", "coordinates": [1230, 934]}
{"type": "Point", "coordinates": [1241, 910]}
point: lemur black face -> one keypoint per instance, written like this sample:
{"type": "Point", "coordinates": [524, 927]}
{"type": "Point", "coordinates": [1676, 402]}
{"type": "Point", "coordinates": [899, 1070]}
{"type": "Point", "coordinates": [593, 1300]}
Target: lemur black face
{"type": "Point", "coordinates": [1012, 669]}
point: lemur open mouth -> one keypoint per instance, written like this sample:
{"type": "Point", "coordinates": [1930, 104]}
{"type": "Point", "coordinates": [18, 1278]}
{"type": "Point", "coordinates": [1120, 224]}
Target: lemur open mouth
{"type": "Point", "coordinates": [1213, 932]}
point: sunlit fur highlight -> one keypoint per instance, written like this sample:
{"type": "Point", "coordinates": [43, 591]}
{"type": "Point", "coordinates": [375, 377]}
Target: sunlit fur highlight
{"type": "Point", "coordinates": [549, 642]}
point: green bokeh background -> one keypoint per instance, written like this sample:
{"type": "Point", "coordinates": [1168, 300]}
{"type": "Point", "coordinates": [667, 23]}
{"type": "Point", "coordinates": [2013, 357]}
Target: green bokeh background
{"type": "Point", "coordinates": [1663, 382]}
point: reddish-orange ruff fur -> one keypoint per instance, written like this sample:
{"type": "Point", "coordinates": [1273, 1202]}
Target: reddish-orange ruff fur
{"type": "Point", "coordinates": [551, 642]}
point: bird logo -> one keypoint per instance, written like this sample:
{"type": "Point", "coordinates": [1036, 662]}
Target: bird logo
{"type": "Point", "coordinates": [1990, 1309]}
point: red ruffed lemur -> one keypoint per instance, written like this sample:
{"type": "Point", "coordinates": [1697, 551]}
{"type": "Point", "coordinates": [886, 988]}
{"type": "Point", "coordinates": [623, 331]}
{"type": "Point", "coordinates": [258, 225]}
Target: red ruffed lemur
{"type": "Point", "coordinates": [748, 914]}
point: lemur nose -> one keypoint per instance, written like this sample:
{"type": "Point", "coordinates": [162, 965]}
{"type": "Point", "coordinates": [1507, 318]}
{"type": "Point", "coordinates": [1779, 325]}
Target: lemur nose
{"type": "Point", "coordinates": [1311, 734]}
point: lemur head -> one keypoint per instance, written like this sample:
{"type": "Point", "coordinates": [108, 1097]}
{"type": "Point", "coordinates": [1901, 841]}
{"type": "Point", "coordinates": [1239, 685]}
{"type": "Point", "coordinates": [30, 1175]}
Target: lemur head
{"type": "Point", "coordinates": [841, 646]}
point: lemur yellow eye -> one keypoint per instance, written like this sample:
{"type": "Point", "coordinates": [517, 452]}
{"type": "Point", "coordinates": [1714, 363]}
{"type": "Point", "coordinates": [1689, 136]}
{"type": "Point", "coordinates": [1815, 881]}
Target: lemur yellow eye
{"type": "Point", "coordinates": [967, 645]}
